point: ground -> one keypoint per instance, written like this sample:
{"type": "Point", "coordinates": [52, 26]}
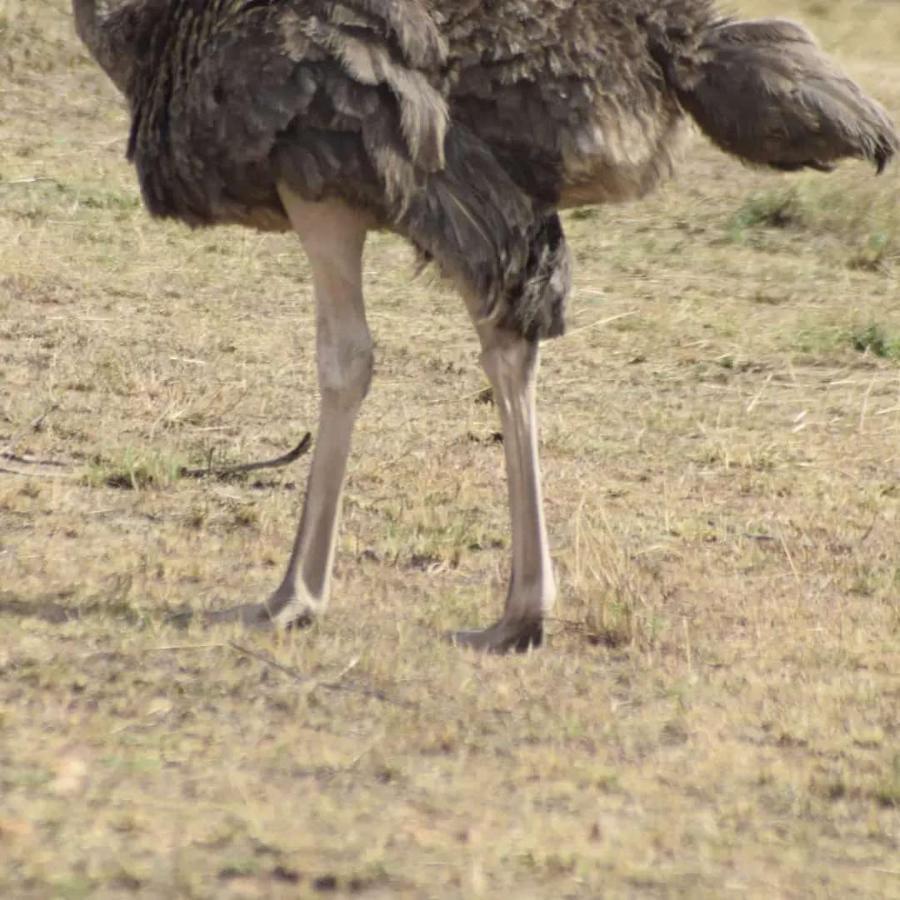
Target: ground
{"type": "Point", "coordinates": [717, 709]}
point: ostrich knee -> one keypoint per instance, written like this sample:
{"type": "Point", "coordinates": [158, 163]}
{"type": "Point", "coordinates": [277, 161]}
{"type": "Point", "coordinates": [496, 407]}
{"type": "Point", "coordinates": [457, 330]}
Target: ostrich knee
{"type": "Point", "coordinates": [345, 364]}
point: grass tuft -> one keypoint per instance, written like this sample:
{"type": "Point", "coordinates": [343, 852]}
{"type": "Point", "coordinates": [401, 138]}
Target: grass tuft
{"type": "Point", "coordinates": [619, 598]}
{"type": "Point", "coordinates": [132, 469]}
{"type": "Point", "coordinates": [875, 339]}
{"type": "Point", "coordinates": [858, 228]}
{"type": "Point", "coordinates": [827, 340]}
{"type": "Point", "coordinates": [780, 208]}
{"type": "Point", "coordinates": [887, 791]}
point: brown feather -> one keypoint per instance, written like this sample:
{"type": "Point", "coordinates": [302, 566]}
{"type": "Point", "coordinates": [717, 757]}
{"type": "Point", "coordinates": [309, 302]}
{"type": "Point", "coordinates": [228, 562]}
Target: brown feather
{"type": "Point", "coordinates": [461, 124]}
{"type": "Point", "coordinates": [765, 92]}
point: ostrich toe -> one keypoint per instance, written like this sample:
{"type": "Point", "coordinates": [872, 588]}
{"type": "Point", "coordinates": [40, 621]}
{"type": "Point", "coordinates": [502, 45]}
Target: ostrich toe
{"type": "Point", "coordinates": [503, 637]}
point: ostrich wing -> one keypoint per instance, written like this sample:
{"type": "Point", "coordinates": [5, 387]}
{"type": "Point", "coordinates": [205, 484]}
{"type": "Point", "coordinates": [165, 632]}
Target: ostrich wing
{"type": "Point", "coordinates": [336, 99]}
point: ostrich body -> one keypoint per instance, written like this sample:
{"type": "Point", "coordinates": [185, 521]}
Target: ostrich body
{"type": "Point", "coordinates": [463, 126]}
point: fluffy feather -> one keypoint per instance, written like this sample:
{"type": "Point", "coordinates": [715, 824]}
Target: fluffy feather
{"type": "Point", "coordinates": [460, 124]}
{"type": "Point", "coordinates": [765, 92]}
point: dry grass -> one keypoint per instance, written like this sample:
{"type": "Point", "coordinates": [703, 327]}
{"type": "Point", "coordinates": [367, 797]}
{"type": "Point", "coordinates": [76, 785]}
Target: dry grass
{"type": "Point", "coordinates": [718, 709]}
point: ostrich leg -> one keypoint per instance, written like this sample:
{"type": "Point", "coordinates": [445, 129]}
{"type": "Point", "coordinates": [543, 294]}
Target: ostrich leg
{"type": "Point", "coordinates": [333, 237]}
{"type": "Point", "coordinates": [511, 365]}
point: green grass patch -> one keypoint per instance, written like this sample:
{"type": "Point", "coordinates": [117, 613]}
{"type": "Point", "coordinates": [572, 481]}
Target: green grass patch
{"type": "Point", "coordinates": [887, 791]}
{"type": "Point", "coordinates": [875, 339]}
{"type": "Point", "coordinates": [131, 469]}
{"type": "Point", "coordinates": [781, 208]}
{"type": "Point", "coordinates": [856, 225]}
{"type": "Point", "coordinates": [872, 339]}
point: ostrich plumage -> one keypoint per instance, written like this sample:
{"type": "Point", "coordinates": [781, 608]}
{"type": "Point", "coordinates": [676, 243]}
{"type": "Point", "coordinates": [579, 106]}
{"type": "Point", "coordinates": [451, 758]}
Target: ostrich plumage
{"type": "Point", "coordinates": [463, 126]}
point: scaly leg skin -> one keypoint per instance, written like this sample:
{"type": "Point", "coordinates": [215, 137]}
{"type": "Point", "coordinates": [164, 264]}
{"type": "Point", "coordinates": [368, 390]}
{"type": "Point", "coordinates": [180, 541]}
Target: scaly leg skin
{"type": "Point", "coordinates": [511, 363]}
{"type": "Point", "coordinates": [333, 237]}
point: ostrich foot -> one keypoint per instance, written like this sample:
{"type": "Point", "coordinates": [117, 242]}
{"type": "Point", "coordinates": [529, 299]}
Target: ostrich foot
{"type": "Point", "coordinates": [519, 635]}
{"type": "Point", "coordinates": [250, 615]}
{"type": "Point", "coordinates": [275, 614]}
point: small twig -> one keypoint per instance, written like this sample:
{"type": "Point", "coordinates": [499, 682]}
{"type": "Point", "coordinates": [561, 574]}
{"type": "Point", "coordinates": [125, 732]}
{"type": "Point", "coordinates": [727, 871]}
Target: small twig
{"type": "Point", "coordinates": [36, 473]}
{"type": "Point", "coordinates": [226, 471]}
{"type": "Point", "coordinates": [294, 674]}
{"type": "Point", "coordinates": [758, 396]}
{"type": "Point", "coordinates": [312, 684]}
{"type": "Point", "coordinates": [868, 531]}
{"type": "Point", "coordinates": [274, 664]}
{"type": "Point", "coordinates": [33, 425]}
{"type": "Point", "coordinates": [32, 460]}
{"type": "Point", "coordinates": [599, 322]}
{"type": "Point", "coordinates": [10, 454]}
{"type": "Point", "coordinates": [687, 645]}
{"type": "Point", "coordinates": [34, 179]}
{"type": "Point", "coordinates": [787, 553]}
{"type": "Point", "coordinates": [170, 648]}
{"type": "Point", "coordinates": [348, 668]}
{"type": "Point", "coordinates": [865, 407]}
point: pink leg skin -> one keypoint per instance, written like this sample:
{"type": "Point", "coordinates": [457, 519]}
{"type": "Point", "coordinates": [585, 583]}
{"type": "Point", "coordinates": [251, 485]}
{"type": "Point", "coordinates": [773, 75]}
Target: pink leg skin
{"type": "Point", "coordinates": [333, 237]}
{"type": "Point", "coordinates": [511, 365]}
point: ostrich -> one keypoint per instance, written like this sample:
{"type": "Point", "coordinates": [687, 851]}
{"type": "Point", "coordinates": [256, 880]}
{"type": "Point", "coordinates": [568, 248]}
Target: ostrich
{"type": "Point", "coordinates": [464, 126]}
